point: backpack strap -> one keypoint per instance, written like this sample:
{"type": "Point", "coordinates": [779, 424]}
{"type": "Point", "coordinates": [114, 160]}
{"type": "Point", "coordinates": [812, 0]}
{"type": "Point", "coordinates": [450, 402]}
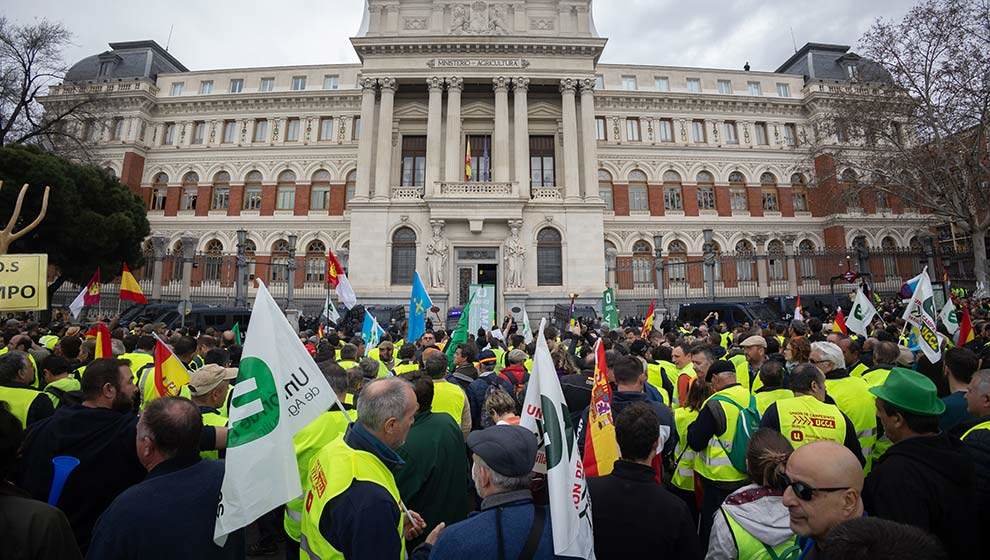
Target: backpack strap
{"type": "Point", "coordinates": [535, 533]}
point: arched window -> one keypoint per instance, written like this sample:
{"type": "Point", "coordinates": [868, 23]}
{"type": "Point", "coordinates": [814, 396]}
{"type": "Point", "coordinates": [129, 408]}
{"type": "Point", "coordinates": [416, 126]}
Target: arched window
{"type": "Point", "coordinates": [849, 177]}
{"type": "Point", "coordinates": [319, 192]}
{"type": "Point", "coordinates": [316, 262]}
{"type": "Point", "coordinates": [775, 253]}
{"type": "Point", "coordinates": [745, 261]}
{"type": "Point", "coordinates": [214, 261]}
{"type": "Point", "coordinates": [676, 259]}
{"type": "Point", "coordinates": [718, 261]}
{"type": "Point", "coordinates": [799, 190]}
{"type": "Point", "coordinates": [706, 191]}
{"type": "Point", "coordinates": [285, 194]}
{"type": "Point", "coordinates": [673, 197]}
{"type": "Point", "coordinates": [888, 249]}
{"type": "Point", "coordinates": [610, 253]}
{"type": "Point", "coordinates": [159, 191]}
{"type": "Point", "coordinates": [768, 183]}
{"type": "Point", "coordinates": [190, 191]}
{"type": "Point", "coordinates": [737, 179]}
{"type": "Point", "coordinates": [859, 242]}
{"type": "Point", "coordinates": [549, 258]}
{"type": "Point", "coordinates": [403, 256]}
{"type": "Point", "coordinates": [605, 189]}
{"type": "Point", "coordinates": [177, 264]}
{"type": "Point", "coordinates": [350, 187]}
{"type": "Point", "coordinates": [110, 171]}
{"type": "Point", "coordinates": [250, 250]}
{"type": "Point", "coordinates": [280, 262]}
{"type": "Point", "coordinates": [221, 191]}
{"type": "Point", "coordinates": [252, 191]}
{"type": "Point", "coordinates": [768, 180]}
{"type": "Point", "coordinates": [806, 254]}
{"type": "Point", "coordinates": [643, 260]}
{"type": "Point", "coordinates": [638, 198]}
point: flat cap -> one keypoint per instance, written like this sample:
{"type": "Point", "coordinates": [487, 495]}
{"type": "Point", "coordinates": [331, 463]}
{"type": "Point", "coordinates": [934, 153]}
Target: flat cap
{"type": "Point", "coordinates": [755, 340]}
{"type": "Point", "coordinates": [508, 450]}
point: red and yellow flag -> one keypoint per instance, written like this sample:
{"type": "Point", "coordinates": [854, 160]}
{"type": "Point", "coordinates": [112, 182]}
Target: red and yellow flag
{"type": "Point", "coordinates": [839, 324]}
{"type": "Point", "coordinates": [467, 161]}
{"type": "Point", "coordinates": [92, 296]}
{"type": "Point", "coordinates": [170, 374]}
{"type": "Point", "coordinates": [648, 322]}
{"type": "Point", "coordinates": [965, 334]}
{"type": "Point", "coordinates": [100, 331]}
{"type": "Point", "coordinates": [334, 270]}
{"type": "Point", "coordinates": [601, 450]}
{"type": "Point", "coordinates": [130, 290]}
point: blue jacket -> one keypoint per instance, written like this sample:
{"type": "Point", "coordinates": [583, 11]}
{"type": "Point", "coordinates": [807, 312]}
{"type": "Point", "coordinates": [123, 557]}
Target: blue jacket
{"type": "Point", "coordinates": [477, 391]}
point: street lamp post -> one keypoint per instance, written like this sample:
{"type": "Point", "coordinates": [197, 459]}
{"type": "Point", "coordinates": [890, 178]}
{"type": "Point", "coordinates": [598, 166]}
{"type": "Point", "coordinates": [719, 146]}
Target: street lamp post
{"type": "Point", "coordinates": [709, 251]}
{"type": "Point", "coordinates": [240, 285]}
{"type": "Point", "coordinates": [290, 292]}
{"type": "Point", "coordinates": [658, 254]}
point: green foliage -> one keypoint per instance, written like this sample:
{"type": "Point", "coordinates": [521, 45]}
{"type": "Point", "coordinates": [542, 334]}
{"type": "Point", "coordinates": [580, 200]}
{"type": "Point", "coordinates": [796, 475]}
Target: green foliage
{"type": "Point", "coordinates": [93, 220]}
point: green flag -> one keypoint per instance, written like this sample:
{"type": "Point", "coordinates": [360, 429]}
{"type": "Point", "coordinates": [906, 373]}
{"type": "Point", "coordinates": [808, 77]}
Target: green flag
{"type": "Point", "coordinates": [237, 334]}
{"type": "Point", "coordinates": [610, 313]}
{"type": "Point", "coordinates": [460, 334]}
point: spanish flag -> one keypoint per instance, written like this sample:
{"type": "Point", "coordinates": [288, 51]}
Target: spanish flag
{"type": "Point", "coordinates": [467, 161]}
{"type": "Point", "coordinates": [130, 290]}
{"type": "Point", "coordinates": [100, 331]}
{"type": "Point", "coordinates": [648, 321]}
{"type": "Point", "coordinates": [839, 324]}
{"type": "Point", "coordinates": [601, 450]}
{"type": "Point", "coordinates": [170, 374]}
{"type": "Point", "coordinates": [965, 334]}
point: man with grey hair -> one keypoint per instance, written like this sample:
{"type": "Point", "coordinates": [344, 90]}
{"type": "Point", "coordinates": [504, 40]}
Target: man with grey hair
{"type": "Point", "coordinates": [352, 505]}
{"type": "Point", "coordinates": [851, 394]}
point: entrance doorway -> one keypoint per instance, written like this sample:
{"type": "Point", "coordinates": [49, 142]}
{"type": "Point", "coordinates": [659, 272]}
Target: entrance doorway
{"type": "Point", "coordinates": [476, 265]}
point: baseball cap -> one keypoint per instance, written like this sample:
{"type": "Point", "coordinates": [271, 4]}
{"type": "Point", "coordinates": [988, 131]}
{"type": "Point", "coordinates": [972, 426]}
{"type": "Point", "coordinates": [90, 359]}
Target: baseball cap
{"type": "Point", "coordinates": [208, 377]}
{"type": "Point", "coordinates": [508, 450]}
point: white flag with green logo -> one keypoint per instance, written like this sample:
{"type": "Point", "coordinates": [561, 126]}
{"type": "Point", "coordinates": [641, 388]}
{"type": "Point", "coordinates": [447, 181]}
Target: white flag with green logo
{"type": "Point", "coordinates": [279, 390]}
{"type": "Point", "coordinates": [861, 314]}
{"type": "Point", "coordinates": [527, 331]}
{"type": "Point", "coordinates": [950, 317]}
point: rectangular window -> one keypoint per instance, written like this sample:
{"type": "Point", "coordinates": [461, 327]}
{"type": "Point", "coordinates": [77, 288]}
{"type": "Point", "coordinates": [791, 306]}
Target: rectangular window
{"type": "Point", "coordinates": [285, 198]}
{"type": "Point", "coordinates": [319, 198]}
{"type": "Point", "coordinates": [694, 85]}
{"type": "Point", "coordinates": [199, 132]}
{"type": "Point", "coordinates": [599, 82]}
{"type": "Point", "coordinates": [541, 161]}
{"type": "Point", "coordinates": [331, 81]}
{"type": "Point", "coordinates": [738, 201]}
{"type": "Point", "coordinates": [754, 88]}
{"type": "Point", "coordinates": [206, 87]}
{"type": "Point", "coordinates": [221, 198]}
{"type": "Point", "coordinates": [790, 135]}
{"type": "Point", "coordinates": [188, 200]}
{"type": "Point", "coordinates": [698, 132]}
{"type": "Point", "coordinates": [292, 130]}
{"type": "Point", "coordinates": [356, 128]}
{"type": "Point", "coordinates": [638, 199]}
{"type": "Point", "coordinates": [229, 132]}
{"type": "Point", "coordinates": [783, 90]}
{"type": "Point", "coordinates": [770, 203]}
{"type": "Point", "coordinates": [261, 130]}
{"type": "Point", "coordinates": [761, 134]}
{"type": "Point", "coordinates": [326, 128]}
{"type": "Point", "coordinates": [706, 197]}
{"type": "Point", "coordinates": [731, 135]}
{"type": "Point", "coordinates": [606, 194]}
{"type": "Point", "coordinates": [117, 129]}
{"type": "Point", "coordinates": [177, 88]}
{"type": "Point", "coordinates": [413, 161]}
{"type": "Point", "coordinates": [169, 138]}
{"type": "Point", "coordinates": [252, 198]}
{"type": "Point", "coordinates": [629, 83]}
{"type": "Point", "coordinates": [267, 84]}
{"type": "Point", "coordinates": [158, 199]}
{"type": "Point", "coordinates": [663, 83]}
{"type": "Point", "coordinates": [672, 199]}
{"type": "Point", "coordinates": [600, 128]}
{"type": "Point", "coordinates": [665, 130]}
{"type": "Point", "coordinates": [298, 83]}
{"type": "Point", "coordinates": [800, 202]}
{"type": "Point", "coordinates": [632, 130]}
{"type": "Point", "coordinates": [725, 87]}
{"type": "Point", "coordinates": [481, 158]}
{"type": "Point", "coordinates": [236, 85]}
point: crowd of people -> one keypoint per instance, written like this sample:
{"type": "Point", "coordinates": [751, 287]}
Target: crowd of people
{"type": "Point", "coordinates": [779, 440]}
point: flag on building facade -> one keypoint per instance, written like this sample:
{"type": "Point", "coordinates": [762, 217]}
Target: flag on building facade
{"type": "Point", "coordinates": [170, 373]}
{"type": "Point", "coordinates": [920, 313]}
{"type": "Point", "coordinates": [861, 314]}
{"type": "Point", "coordinates": [648, 321]}
{"type": "Point", "coordinates": [545, 413]}
{"type": "Point", "coordinates": [467, 160]}
{"type": "Point", "coordinates": [89, 296]}
{"type": "Point", "coordinates": [966, 333]}
{"type": "Point", "coordinates": [798, 310]}
{"type": "Point", "coordinates": [104, 348]}
{"type": "Point", "coordinates": [419, 304]}
{"type": "Point", "coordinates": [130, 290]}
{"type": "Point", "coordinates": [279, 390]}
{"type": "Point", "coordinates": [839, 323]}
{"type": "Point", "coordinates": [601, 450]}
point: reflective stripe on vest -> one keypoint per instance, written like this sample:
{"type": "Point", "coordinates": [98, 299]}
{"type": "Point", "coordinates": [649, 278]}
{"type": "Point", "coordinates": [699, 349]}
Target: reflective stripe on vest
{"type": "Point", "coordinates": [749, 547]}
{"type": "Point", "coordinates": [683, 476]}
{"type": "Point", "coordinates": [448, 398]}
{"type": "Point", "coordinates": [403, 369]}
{"type": "Point", "coordinates": [714, 463]}
{"type": "Point", "coordinates": [852, 396]}
{"type": "Point", "coordinates": [806, 419]}
{"type": "Point", "coordinates": [331, 473]}
{"type": "Point", "coordinates": [19, 399]}
{"type": "Point", "coordinates": [767, 398]}
{"type": "Point", "coordinates": [307, 443]}
{"type": "Point", "coordinates": [982, 426]}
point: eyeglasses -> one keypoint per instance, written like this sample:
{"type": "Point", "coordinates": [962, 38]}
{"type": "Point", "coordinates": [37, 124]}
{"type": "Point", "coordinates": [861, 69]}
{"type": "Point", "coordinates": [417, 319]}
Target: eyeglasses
{"type": "Point", "coordinates": [806, 492]}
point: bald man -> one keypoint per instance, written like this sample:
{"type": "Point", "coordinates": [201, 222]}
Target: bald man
{"type": "Point", "coordinates": [826, 486]}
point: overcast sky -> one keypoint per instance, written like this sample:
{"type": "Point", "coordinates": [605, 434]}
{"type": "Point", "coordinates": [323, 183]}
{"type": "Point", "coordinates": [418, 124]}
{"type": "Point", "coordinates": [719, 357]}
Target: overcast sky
{"type": "Point", "coordinates": [215, 34]}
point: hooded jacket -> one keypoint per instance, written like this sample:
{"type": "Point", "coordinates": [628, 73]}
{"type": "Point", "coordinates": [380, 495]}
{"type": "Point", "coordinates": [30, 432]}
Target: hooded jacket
{"type": "Point", "coordinates": [761, 513]}
{"type": "Point", "coordinates": [928, 482]}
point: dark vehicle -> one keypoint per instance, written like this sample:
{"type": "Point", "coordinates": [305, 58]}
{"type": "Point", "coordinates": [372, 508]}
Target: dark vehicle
{"type": "Point", "coordinates": [200, 319]}
{"type": "Point", "coordinates": [149, 312]}
{"type": "Point", "coordinates": [820, 306]}
{"type": "Point", "coordinates": [731, 313]}
{"type": "Point", "coordinates": [562, 315]}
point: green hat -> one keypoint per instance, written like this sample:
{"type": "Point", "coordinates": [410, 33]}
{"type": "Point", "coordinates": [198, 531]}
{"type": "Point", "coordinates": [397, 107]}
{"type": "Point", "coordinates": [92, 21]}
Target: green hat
{"type": "Point", "coordinates": [910, 391]}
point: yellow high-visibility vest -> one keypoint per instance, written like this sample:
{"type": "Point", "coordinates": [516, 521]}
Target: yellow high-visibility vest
{"type": "Point", "coordinates": [749, 547]}
{"type": "Point", "coordinates": [19, 399]}
{"type": "Point", "coordinates": [448, 398]}
{"type": "Point", "coordinates": [767, 398]}
{"type": "Point", "coordinates": [714, 463]}
{"type": "Point", "coordinates": [683, 476]}
{"type": "Point", "coordinates": [854, 399]}
{"type": "Point", "coordinates": [308, 442]}
{"type": "Point", "coordinates": [805, 419]}
{"type": "Point", "coordinates": [216, 420]}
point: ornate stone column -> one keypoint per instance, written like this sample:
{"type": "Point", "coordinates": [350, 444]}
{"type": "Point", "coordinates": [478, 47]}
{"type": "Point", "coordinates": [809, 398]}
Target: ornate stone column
{"type": "Point", "coordinates": [366, 143]}
{"type": "Point", "coordinates": [521, 130]}
{"type": "Point", "coordinates": [762, 265]}
{"type": "Point", "coordinates": [571, 161]}
{"type": "Point", "coordinates": [790, 257]}
{"type": "Point", "coordinates": [434, 130]}
{"type": "Point", "coordinates": [455, 161]}
{"type": "Point", "coordinates": [500, 158]}
{"type": "Point", "coordinates": [384, 151]}
{"type": "Point", "coordinates": [158, 244]}
{"type": "Point", "coordinates": [589, 144]}
{"type": "Point", "coordinates": [188, 255]}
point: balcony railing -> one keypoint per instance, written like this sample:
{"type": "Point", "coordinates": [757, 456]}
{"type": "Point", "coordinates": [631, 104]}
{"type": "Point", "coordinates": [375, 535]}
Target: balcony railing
{"type": "Point", "coordinates": [547, 194]}
{"type": "Point", "coordinates": [407, 193]}
{"type": "Point", "coordinates": [477, 189]}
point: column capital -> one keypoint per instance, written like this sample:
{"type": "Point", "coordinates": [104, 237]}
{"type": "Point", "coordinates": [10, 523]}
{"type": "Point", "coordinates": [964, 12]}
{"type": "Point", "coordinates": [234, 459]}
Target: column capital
{"type": "Point", "coordinates": [434, 83]}
{"type": "Point", "coordinates": [568, 85]}
{"type": "Point", "coordinates": [368, 84]}
{"type": "Point", "coordinates": [387, 83]}
{"type": "Point", "coordinates": [454, 82]}
{"type": "Point", "coordinates": [587, 86]}
{"type": "Point", "coordinates": [501, 84]}
{"type": "Point", "coordinates": [520, 84]}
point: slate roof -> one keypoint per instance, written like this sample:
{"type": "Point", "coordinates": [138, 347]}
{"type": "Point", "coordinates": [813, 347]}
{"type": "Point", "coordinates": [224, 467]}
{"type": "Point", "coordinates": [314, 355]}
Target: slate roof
{"type": "Point", "coordinates": [822, 61]}
{"type": "Point", "coordinates": [133, 59]}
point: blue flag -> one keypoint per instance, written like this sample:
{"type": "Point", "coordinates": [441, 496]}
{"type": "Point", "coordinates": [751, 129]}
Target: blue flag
{"type": "Point", "coordinates": [371, 332]}
{"type": "Point", "coordinates": [419, 304]}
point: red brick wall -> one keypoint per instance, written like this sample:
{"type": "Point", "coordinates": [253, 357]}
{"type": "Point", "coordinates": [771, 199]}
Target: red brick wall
{"type": "Point", "coordinates": [826, 197]}
{"type": "Point", "coordinates": [785, 197]}
{"type": "Point", "coordinates": [132, 170]}
{"type": "Point", "coordinates": [690, 198]}
{"type": "Point", "coordinates": [620, 199]}
{"type": "Point", "coordinates": [896, 204]}
{"type": "Point", "coordinates": [655, 193]}
{"type": "Point", "coordinates": [172, 201]}
{"type": "Point", "coordinates": [835, 237]}
{"type": "Point", "coordinates": [203, 195]}
{"type": "Point", "coordinates": [696, 271]}
{"type": "Point", "coordinates": [268, 200]}
{"type": "Point", "coordinates": [754, 197]}
{"type": "Point", "coordinates": [236, 200]}
{"type": "Point", "coordinates": [302, 199]}
{"type": "Point", "coordinates": [338, 199]}
{"type": "Point", "coordinates": [723, 201]}
{"type": "Point", "coordinates": [868, 201]}
{"type": "Point", "coordinates": [300, 265]}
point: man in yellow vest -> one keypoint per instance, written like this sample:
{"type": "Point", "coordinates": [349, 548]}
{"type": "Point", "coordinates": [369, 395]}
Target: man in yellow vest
{"type": "Point", "coordinates": [885, 356]}
{"type": "Point", "coordinates": [681, 356]}
{"type": "Point", "coordinates": [806, 417]}
{"type": "Point", "coordinates": [308, 442]}
{"type": "Point", "coordinates": [348, 357]}
{"type": "Point", "coordinates": [755, 348]}
{"type": "Point", "coordinates": [711, 435]}
{"type": "Point", "coordinates": [976, 441]}
{"type": "Point", "coordinates": [772, 375]}
{"type": "Point", "coordinates": [27, 403]}
{"type": "Point", "coordinates": [852, 351]}
{"type": "Point", "coordinates": [851, 394]}
{"type": "Point", "coordinates": [142, 355]}
{"type": "Point", "coordinates": [58, 382]}
{"type": "Point", "coordinates": [208, 387]}
{"type": "Point", "coordinates": [355, 472]}
{"type": "Point", "coordinates": [447, 397]}
{"type": "Point", "coordinates": [407, 360]}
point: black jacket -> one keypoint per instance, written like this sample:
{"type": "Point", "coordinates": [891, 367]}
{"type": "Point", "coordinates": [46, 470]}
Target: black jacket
{"type": "Point", "coordinates": [928, 482]}
{"type": "Point", "coordinates": [977, 446]}
{"type": "Point", "coordinates": [622, 399]}
{"type": "Point", "coordinates": [626, 508]}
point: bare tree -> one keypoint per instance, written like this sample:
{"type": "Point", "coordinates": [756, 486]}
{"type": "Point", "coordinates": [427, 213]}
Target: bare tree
{"type": "Point", "coordinates": [31, 62]}
{"type": "Point", "coordinates": [914, 125]}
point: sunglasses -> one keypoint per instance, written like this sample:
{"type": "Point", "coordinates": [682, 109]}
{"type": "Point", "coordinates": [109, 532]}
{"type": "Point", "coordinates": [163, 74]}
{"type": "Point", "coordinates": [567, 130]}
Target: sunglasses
{"type": "Point", "coordinates": [806, 492]}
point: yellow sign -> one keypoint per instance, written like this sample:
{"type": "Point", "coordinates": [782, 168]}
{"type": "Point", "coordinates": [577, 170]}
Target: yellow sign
{"type": "Point", "coordinates": [23, 282]}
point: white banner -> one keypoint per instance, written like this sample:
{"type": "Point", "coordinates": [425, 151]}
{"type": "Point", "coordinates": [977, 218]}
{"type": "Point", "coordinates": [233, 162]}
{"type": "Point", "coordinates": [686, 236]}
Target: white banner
{"type": "Point", "coordinates": [920, 313]}
{"type": "Point", "coordinates": [861, 314]}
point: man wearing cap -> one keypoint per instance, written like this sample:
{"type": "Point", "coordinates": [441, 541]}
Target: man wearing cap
{"type": "Point", "coordinates": [747, 371]}
{"type": "Point", "coordinates": [925, 479]}
{"type": "Point", "coordinates": [508, 525]}
{"type": "Point", "coordinates": [711, 434]}
{"type": "Point", "coordinates": [208, 387]}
